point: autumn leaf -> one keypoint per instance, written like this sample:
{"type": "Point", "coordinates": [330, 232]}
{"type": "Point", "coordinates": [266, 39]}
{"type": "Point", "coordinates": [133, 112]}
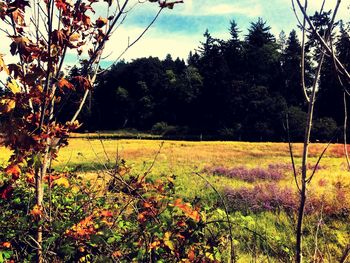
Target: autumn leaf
{"type": "Point", "coordinates": [117, 254]}
{"type": "Point", "coordinates": [13, 86]}
{"type": "Point", "coordinates": [36, 212]}
{"type": "Point", "coordinates": [100, 22]}
{"type": "Point", "coordinates": [5, 244]}
{"type": "Point", "coordinates": [191, 256]}
{"type": "Point", "coordinates": [18, 16]}
{"type": "Point", "coordinates": [15, 69]}
{"type": "Point", "coordinates": [62, 5]}
{"type": "Point", "coordinates": [19, 45]}
{"type": "Point", "coordinates": [83, 229]}
{"type": "Point", "coordinates": [74, 37]}
{"type": "Point", "coordinates": [168, 242]}
{"type": "Point", "coordinates": [62, 182]}
{"type": "Point", "coordinates": [86, 20]}
{"type": "Point", "coordinates": [65, 83]}
{"type": "Point", "coordinates": [3, 66]}
{"type": "Point", "coordinates": [83, 83]}
{"type": "Point", "coordinates": [13, 170]}
{"type": "Point", "coordinates": [106, 213]}
{"type": "Point", "coordinates": [154, 245]}
{"type": "Point", "coordinates": [6, 191]}
{"type": "Point", "coordinates": [30, 178]}
{"type": "Point", "coordinates": [187, 209]}
{"type": "Point", "coordinates": [58, 37]}
{"type": "Point", "coordinates": [73, 125]}
{"type": "Point", "coordinates": [7, 105]}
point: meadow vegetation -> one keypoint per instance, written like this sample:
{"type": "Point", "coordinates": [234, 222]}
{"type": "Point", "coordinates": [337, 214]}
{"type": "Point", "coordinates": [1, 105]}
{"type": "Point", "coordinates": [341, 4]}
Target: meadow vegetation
{"type": "Point", "coordinates": [255, 179]}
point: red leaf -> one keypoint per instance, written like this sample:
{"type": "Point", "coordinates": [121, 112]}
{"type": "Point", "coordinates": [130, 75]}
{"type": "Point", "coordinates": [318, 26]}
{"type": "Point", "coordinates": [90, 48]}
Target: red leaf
{"type": "Point", "coordinates": [65, 83]}
{"type": "Point", "coordinates": [6, 191]}
{"type": "Point", "coordinates": [62, 5]}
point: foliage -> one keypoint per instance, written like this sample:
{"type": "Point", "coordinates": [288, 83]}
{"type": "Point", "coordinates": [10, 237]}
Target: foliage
{"type": "Point", "coordinates": [131, 220]}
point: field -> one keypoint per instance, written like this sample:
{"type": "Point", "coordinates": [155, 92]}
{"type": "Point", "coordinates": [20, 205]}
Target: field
{"type": "Point", "coordinates": [256, 180]}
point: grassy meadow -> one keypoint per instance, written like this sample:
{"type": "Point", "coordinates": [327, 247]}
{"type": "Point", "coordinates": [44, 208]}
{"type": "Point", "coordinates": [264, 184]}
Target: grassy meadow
{"type": "Point", "coordinates": [242, 172]}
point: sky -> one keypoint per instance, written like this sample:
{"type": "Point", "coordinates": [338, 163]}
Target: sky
{"type": "Point", "coordinates": [180, 30]}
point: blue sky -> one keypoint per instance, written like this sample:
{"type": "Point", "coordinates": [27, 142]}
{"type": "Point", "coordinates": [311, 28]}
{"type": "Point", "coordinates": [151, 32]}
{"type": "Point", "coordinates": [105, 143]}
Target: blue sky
{"type": "Point", "coordinates": [179, 30]}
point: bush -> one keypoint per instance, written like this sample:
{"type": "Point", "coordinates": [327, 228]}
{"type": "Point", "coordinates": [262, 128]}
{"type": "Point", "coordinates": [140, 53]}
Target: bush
{"type": "Point", "coordinates": [131, 220]}
{"type": "Point", "coordinates": [161, 128]}
{"type": "Point", "coordinates": [324, 129]}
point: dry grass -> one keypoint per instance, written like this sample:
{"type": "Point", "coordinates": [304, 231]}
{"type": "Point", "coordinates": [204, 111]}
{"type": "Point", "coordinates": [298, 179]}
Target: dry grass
{"type": "Point", "coordinates": [182, 158]}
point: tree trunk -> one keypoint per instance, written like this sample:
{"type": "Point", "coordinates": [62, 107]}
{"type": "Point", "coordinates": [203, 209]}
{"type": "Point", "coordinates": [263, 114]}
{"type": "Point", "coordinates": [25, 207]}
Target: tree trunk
{"type": "Point", "coordinates": [39, 191]}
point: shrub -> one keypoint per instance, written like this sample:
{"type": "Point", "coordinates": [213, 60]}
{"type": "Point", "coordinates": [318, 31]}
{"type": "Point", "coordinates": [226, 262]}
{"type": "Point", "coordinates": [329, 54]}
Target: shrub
{"type": "Point", "coordinates": [130, 220]}
{"type": "Point", "coordinates": [161, 128]}
{"type": "Point", "coordinates": [324, 129]}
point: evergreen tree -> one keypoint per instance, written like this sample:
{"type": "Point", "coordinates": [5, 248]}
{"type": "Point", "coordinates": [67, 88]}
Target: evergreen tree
{"type": "Point", "coordinates": [233, 51]}
{"type": "Point", "coordinates": [261, 57]}
{"type": "Point", "coordinates": [330, 95]}
{"type": "Point", "coordinates": [291, 65]}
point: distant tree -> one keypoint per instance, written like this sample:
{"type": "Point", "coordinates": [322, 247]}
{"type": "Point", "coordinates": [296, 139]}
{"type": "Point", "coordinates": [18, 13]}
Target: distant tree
{"type": "Point", "coordinates": [216, 79]}
{"type": "Point", "coordinates": [259, 34]}
{"type": "Point", "coordinates": [233, 51]}
{"type": "Point", "coordinates": [261, 56]}
{"type": "Point", "coordinates": [330, 94]}
{"type": "Point", "coordinates": [291, 66]}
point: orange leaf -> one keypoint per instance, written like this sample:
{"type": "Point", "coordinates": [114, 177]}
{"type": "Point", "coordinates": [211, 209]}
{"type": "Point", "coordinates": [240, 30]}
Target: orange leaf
{"type": "Point", "coordinates": [13, 170]}
{"type": "Point", "coordinates": [65, 83]}
{"type": "Point", "coordinates": [187, 209]}
{"type": "Point", "coordinates": [117, 254]}
{"type": "Point", "coordinates": [191, 255]}
{"type": "Point", "coordinates": [7, 105]}
{"type": "Point", "coordinates": [5, 244]}
{"type": "Point", "coordinates": [106, 213]}
{"type": "Point", "coordinates": [154, 245]}
{"type": "Point", "coordinates": [36, 212]}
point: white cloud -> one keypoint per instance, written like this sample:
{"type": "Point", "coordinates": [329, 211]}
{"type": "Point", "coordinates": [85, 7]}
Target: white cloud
{"type": "Point", "coordinates": [250, 8]}
{"type": "Point", "coordinates": [153, 43]}
{"type": "Point", "coordinates": [230, 9]}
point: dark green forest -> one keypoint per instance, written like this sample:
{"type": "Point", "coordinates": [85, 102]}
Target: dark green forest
{"type": "Point", "coordinates": [246, 88]}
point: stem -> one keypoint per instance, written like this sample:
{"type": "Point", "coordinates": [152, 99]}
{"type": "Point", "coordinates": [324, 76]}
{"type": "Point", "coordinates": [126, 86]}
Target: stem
{"type": "Point", "coordinates": [304, 182]}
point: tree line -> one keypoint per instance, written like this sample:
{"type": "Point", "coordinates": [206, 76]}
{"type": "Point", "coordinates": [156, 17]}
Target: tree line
{"type": "Point", "coordinates": [241, 89]}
